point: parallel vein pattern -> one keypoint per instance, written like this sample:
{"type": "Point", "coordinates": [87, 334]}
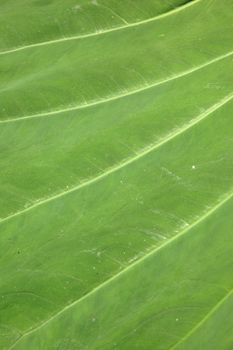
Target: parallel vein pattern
{"type": "Point", "coordinates": [116, 212]}
{"type": "Point", "coordinates": [139, 155]}
{"type": "Point", "coordinates": [227, 198]}
{"type": "Point", "coordinates": [105, 31]}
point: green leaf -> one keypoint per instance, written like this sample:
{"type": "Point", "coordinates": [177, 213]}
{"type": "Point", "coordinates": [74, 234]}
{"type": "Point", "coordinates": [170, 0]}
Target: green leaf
{"type": "Point", "coordinates": [116, 187]}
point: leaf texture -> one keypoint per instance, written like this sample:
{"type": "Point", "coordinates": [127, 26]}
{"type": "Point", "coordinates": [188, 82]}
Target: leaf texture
{"type": "Point", "coordinates": [116, 175]}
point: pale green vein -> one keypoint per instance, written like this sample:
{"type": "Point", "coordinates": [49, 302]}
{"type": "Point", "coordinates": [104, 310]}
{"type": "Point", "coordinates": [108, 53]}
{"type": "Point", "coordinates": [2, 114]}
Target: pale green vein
{"type": "Point", "coordinates": [131, 266]}
{"type": "Point", "coordinates": [105, 31]}
{"type": "Point", "coordinates": [118, 96]}
{"type": "Point", "coordinates": [131, 160]}
{"type": "Point", "coordinates": [203, 320]}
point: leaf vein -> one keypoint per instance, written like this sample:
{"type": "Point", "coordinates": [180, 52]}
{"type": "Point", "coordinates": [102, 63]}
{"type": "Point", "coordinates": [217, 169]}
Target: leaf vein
{"type": "Point", "coordinates": [131, 160]}
{"type": "Point", "coordinates": [203, 320]}
{"type": "Point", "coordinates": [77, 37]}
{"type": "Point", "coordinates": [118, 96]}
{"type": "Point", "coordinates": [146, 256]}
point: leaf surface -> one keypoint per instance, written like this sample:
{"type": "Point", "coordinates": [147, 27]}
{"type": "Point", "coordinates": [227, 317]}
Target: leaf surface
{"type": "Point", "coordinates": [116, 175]}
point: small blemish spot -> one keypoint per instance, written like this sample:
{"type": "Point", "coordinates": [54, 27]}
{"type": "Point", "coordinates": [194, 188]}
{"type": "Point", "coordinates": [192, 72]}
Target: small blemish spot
{"type": "Point", "coordinates": [77, 8]}
{"type": "Point", "coordinates": [177, 319]}
{"type": "Point", "coordinates": [193, 167]}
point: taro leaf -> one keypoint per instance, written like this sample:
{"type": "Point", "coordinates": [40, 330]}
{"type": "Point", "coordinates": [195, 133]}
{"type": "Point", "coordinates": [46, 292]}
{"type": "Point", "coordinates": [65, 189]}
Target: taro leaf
{"type": "Point", "coordinates": [116, 175]}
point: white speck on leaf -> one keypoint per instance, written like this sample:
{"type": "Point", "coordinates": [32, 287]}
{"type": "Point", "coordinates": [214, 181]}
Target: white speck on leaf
{"type": "Point", "coordinates": [77, 8]}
